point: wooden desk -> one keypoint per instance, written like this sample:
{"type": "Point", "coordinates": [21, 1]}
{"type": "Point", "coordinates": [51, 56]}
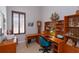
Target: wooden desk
{"type": "Point", "coordinates": [57, 44]}
{"type": "Point", "coordinates": [54, 39]}
{"type": "Point", "coordinates": [8, 46]}
{"type": "Point", "coordinates": [31, 36]}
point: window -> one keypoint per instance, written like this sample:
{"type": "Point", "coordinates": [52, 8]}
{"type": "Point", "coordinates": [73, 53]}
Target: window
{"type": "Point", "coordinates": [18, 22]}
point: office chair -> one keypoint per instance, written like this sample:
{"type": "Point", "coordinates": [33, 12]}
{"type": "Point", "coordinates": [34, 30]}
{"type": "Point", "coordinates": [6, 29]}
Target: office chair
{"type": "Point", "coordinates": [44, 44]}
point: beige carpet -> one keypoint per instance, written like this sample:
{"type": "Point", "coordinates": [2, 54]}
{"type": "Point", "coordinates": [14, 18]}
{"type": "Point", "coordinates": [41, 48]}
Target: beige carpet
{"type": "Point", "coordinates": [33, 48]}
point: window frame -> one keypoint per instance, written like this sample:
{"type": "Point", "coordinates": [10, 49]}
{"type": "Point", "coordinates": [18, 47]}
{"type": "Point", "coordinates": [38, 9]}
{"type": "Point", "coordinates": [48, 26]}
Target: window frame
{"type": "Point", "coordinates": [19, 13]}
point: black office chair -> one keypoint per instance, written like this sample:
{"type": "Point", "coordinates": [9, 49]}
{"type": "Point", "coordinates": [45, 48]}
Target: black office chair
{"type": "Point", "coordinates": [44, 44]}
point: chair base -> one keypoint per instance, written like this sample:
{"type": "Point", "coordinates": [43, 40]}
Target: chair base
{"type": "Point", "coordinates": [45, 50]}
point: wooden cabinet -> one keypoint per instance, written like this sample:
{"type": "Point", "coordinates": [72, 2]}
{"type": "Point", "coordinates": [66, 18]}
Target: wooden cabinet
{"type": "Point", "coordinates": [8, 47]}
{"type": "Point", "coordinates": [57, 45]}
{"type": "Point", "coordinates": [71, 32]}
{"type": "Point", "coordinates": [59, 27]}
{"type": "Point", "coordinates": [70, 49]}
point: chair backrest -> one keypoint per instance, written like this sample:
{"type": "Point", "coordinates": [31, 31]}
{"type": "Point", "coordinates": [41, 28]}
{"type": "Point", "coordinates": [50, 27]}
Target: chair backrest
{"type": "Point", "coordinates": [43, 41]}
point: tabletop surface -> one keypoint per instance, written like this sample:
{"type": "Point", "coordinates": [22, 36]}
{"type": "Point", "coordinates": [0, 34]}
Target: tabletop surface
{"type": "Point", "coordinates": [48, 37]}
{"type": "Point", "coordinates": [53, 39]}
{"type": "Point", "coordinates": [7, 42]}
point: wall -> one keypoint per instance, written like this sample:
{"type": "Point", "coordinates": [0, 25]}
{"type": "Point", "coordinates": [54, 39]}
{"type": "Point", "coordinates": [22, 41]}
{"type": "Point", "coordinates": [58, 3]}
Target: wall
{"type": "Point", "coordinates": [32, 15]}
{"type": "Point", "coordinates": [61, 10]}
{"type": "Point", "coordinates": [3, 11]}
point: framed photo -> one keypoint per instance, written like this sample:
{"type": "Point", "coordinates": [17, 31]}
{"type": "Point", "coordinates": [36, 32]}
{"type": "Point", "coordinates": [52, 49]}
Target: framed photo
{"type": "Point", "coordinates": [31, 24]}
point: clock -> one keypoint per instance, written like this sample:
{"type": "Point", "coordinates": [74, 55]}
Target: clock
{"type": "Point", "coordinates": [39, 24]}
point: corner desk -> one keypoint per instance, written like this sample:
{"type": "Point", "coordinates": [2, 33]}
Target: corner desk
{"type": "Point", "coordinates": [57, 44]}
{"type": "Point", "coordinates": [30, 37]}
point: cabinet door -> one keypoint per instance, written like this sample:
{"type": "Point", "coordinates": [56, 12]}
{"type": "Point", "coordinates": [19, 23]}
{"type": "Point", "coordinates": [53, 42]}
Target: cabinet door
{"type": "Point", "coordinates": [10, 48]}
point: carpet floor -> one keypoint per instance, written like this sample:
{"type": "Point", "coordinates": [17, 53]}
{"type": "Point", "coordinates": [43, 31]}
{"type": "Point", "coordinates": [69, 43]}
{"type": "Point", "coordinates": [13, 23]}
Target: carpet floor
{"type": "Point", "coordinates": [33, 48]}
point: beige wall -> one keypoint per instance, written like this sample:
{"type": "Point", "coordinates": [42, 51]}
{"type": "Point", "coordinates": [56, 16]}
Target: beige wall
{"type": "Point", "coordinates": [32, 15]}
{"type": "Point", "coordinates": [3, 14]}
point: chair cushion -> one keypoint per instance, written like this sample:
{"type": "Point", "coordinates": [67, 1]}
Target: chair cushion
{"type": "Point", "coordinates": [43, 41]}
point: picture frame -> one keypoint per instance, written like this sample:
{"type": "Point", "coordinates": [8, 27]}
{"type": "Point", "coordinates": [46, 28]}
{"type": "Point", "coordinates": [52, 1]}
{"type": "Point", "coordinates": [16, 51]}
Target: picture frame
{"type": "Point", "coordinates": [30, 24]}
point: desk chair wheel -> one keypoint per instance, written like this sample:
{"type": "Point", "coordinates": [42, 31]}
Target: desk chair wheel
{"type": "Point", "coordinates": [45, 50]}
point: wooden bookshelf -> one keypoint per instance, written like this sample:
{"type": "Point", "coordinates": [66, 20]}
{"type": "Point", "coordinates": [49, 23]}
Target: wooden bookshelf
{"type": "Point", "coordinates": [71, 31]}
{"type": "Point", "coordinates": [59, 27]}
{"type": "Point", "coordinates": [48, 26]}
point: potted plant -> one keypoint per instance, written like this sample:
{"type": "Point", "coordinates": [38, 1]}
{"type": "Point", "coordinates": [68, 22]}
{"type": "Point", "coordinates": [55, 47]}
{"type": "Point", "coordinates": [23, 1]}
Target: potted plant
{"type": "Point", "coordinates": [54, 16]}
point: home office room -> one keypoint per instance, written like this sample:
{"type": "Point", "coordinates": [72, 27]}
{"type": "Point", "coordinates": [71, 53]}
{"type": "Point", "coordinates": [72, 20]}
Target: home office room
{"type": "Point", "coordinates": [39, 29]}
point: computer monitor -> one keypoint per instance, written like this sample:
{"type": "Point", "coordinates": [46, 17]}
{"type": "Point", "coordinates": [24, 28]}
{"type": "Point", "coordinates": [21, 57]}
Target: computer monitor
{"type": "Point", "coordinates": [60, 36]}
